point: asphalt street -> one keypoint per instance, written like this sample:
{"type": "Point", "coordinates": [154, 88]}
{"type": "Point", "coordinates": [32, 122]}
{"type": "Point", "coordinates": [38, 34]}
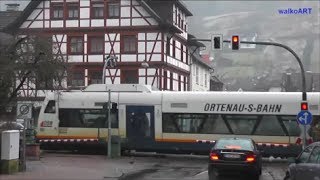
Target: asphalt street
{"type": "Point", "coordinates": [61, 165]}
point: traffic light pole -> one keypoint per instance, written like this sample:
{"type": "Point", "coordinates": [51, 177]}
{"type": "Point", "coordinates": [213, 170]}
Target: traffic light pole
{"type": "Point", "coordinates": [303, 76]}
{"type": "Point", "coordinates": [106, 63]}
{"type": "Point", "coordinates": [109, 124]}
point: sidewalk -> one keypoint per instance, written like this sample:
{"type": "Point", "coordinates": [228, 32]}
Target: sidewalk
{"type": "Point", "coordinates": [54, 166]}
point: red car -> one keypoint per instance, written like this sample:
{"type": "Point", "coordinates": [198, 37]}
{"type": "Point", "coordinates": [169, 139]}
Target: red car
{"type": "Point", "coordinates": [235, 155]}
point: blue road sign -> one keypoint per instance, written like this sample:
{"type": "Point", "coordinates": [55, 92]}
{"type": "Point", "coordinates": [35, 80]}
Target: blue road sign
{"type": "Point", "coordinates": [304, 117]}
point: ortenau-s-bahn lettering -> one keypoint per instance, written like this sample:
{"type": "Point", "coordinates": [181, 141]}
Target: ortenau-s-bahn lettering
{"type": "Point", "coordinates": [269, 108]}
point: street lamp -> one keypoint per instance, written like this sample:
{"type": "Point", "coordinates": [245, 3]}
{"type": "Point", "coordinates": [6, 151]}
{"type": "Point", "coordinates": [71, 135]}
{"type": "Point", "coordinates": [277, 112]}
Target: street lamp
{"type": "Point", "coordinates": [110, 61]}
{"type": "Point", "coordinates": [144, 64]}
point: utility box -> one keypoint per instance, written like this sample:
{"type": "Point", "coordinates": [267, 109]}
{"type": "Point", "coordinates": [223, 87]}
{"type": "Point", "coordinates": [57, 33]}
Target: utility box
{"type": "Point", "coordinates": [10, 145]}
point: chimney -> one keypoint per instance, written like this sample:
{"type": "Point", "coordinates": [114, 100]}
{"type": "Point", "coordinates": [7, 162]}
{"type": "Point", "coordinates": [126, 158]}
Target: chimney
{"type": "Point", "coordinates": [13, 7]}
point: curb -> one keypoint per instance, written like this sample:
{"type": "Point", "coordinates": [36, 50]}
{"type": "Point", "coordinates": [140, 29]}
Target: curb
{"type": "Point", "coordinates": [136, 174]}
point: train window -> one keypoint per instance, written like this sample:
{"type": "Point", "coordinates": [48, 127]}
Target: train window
{"type": "Point", "coordinates": [51, 107]}
{"type": "Point", "coordinates": [291, 125]}
{"type": "Point", "coordinates": [241, 124]}
{"type": "Point", "coordinates": [269, 126]}
{"type": "Point", "coordinates": [214, 125]}
{"type": "Point", "coordinates": [86, 118]}
{"type": "Point", "coordinates": [193, 123]}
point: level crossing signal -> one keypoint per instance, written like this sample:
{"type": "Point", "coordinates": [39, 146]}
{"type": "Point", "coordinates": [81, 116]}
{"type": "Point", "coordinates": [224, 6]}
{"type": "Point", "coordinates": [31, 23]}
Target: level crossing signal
{"type": "Point", "coordinates": [217, 42]}
{"type": "Point", "coordinates": [235, 42]}
{"type": "Point", "coordinates": [304, 106]}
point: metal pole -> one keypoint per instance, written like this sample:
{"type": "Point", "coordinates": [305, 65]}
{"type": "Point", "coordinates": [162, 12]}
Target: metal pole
{"type": "Point", "coordinates": [24, 146]}
{"type": "Point", "coordinates": [109, 124]}
{"type": "Point", "coordinates": [304, 144]}
{"type": "Point", "coordinates": [303, 76]}
{"type": "Point", "coordinates": [104, 71]}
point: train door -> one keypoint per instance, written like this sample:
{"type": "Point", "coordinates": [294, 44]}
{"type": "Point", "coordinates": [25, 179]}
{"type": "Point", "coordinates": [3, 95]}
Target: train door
{"type": "Point", "coordinates": [140, 126]}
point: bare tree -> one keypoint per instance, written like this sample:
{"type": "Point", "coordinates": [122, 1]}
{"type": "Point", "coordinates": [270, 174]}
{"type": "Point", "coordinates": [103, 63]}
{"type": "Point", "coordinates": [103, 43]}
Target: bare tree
{"type": "Point", "coordinates": [28, 62]}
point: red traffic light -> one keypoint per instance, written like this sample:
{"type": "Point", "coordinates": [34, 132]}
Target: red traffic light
{"type": "Point", "coordinates": [235, 38]}
{"type": "Point", "coordinates": [235, 43]}
{"type": "Point", "coordinates": [304, 106]}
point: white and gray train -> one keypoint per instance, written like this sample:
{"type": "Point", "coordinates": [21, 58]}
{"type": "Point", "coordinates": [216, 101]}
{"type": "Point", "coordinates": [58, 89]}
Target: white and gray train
{"type": "Point", "coordinates": [149, 120]}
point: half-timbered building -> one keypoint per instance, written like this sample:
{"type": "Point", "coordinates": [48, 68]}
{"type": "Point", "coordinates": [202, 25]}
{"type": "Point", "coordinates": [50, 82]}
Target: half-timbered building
{"type": "Point", "coordinates": [85, 32]}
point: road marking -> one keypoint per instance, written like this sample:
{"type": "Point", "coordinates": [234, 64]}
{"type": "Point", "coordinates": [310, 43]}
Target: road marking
{"type": "Point", "coordinates": [201, 173]}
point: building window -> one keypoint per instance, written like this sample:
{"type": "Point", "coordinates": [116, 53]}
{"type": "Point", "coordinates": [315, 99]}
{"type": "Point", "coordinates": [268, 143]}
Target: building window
{"type": "Point", "coordinates": [174, 49]}
{"type": "Point", "coordinates": [197, 75]}
{"type": "Point", "coordinates": [96, 45]}
{"type": "Point", "coordinates": [187, 56]}
{"type": "Point", "coordinates": [179, 21]}
{"type": "Point", "coordinates": [73, 10]}
{"type": "Point", "coordinates": [43, 83]}
{"type": "Point", "coordinates": [75, 45]}
{"type": "Point", "coordinates": [185, 83]}
{"type": "Point", "coordinates": [171, 81]}
{"type": "Point", "coordinates": [182, 53]}
{"type": "Point", "coordinates": [57, 11]}
{"type": "Point", "coordinates": [95, 77]}
{"type": "Point", "coordinates": [97, 10]}
{"type": "Point", "coordinates": [179, 81]}
{"type": "Point", "coordinates": [168, 46]}
{"type": "Point", "coordinates": [129, 44]}
{"type": "Point", "coordinates": [205, 80]}
{"type": "Point", "coordinates": [129, 77]}
{"type": "Point", "coordinates": [182, 24]}
{"type": "Point", "coordinates": [114, 9]}
{"type": "Point", "coordinates": [77, 79]}
{"type": "Point", "coordinates": [165, 83]}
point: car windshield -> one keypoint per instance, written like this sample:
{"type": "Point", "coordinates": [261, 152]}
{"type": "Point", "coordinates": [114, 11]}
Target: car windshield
{"type": "Point", "coordinates": [239, 144]}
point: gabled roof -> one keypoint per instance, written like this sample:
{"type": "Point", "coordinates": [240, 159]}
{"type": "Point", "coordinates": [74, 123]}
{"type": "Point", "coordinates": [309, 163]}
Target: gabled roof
{"type": "Point", "coordinates": [7, 17]}
{"type": "Point", "coordinates": [164, 23]}
{"type": "Point", "coordinates": [14, 26]}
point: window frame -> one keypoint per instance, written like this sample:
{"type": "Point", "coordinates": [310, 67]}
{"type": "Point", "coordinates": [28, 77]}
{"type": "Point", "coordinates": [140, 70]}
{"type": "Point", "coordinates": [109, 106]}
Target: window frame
{"type": "Point", "coordinates": [92, 74]}
{"type": "Point", "coordinates": [69, 45]}
{"type": "Point", "coordinates": [174, 49]}
{"type": "Point", "coordinates": [90, 44]}
{"type": "Point", "coordinates": [123, 41]}
{"type": "Point", "coordinates": [70, 6]}
{"type": "Point", "coordinates": [171, 81]}
{"type": "Point", "coordinates": [92, 12]}
{"type": "Point", "coordinates": [113, 3]}
{"type": "Point", "coordinates": [53, 7]}
{"type": "Point", "coordinates": [165, 80]}
{"type": "Point", "coordinates": [133, 72]}
{"type": "Point", "coordinates": [49, 105]}
{"type": "Point", "coordinates": [72, 78]}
